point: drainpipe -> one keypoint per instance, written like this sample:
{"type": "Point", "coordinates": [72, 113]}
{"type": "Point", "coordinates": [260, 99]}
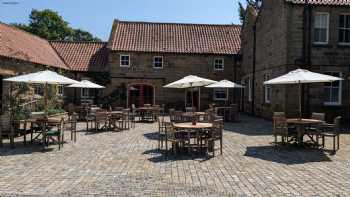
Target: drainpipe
{"type": "Point", "coordinates": [254, 64]}
{"type": "Point", "coordinates": [309, 48]}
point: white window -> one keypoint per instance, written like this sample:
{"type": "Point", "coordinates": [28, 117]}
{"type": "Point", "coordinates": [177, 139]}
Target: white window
{"type": "Point", "coordinates": [219, 64]}
{"type": "Point", "coordinates": [60, 90]}
{"type": "Point", "coordinates": [321, 28]}
{"type": "Point", "coordinates": [220, 94]}
{"type": "Point", "coordinates": [158, 62]}
{"type": "Point", "coordinates": [344, 29]}
{"type": "Point", "coordinates": [267, 89]}
{"type": "Point", "coordinates": [85, 93]}
{"type": "Point", "coordinates": [124, 60]}
{"type": "Point", "coordinates": [333, 91]}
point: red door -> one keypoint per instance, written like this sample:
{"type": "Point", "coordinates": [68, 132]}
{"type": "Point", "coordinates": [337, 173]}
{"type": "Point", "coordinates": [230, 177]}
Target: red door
{"type": "Point", "coordinates": [140, 94]}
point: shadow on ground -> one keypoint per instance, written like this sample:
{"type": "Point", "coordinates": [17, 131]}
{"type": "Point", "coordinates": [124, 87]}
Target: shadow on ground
{"type": "Point", "coordinates": [287, 155]}
{"type": "Point", "coordinates": [251, 126]}
{"type": "Point", "coordinates": [166, 156]}
{"type": "Point", "coordinates": [21, 149]}
{"type": "Point", "coordinates": [151, 136]}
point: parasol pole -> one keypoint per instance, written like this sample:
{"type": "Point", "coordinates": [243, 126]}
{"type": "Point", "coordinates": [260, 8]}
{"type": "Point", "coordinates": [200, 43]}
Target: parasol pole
{"type": "Point", "coordinates": [45, 99]}
{"type": "Point", "coordinates": [300, 95]}
{"type": "Point", "coordinates": [192, 95]}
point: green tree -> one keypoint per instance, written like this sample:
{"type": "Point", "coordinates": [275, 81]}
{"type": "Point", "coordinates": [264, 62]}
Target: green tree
{"type": "Point", "coordinates": [242, 10]}
{"type": "Point", "coordinates": [50, 25]}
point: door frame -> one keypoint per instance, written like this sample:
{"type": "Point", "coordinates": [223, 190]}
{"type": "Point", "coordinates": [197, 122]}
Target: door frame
{"type": "Point", "coordinates": [140, 84]}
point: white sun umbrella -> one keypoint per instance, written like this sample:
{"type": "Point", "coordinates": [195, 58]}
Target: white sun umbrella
{"type": "Point", "coordinates": [190, 81]}
{"type": "Point", "coordinates": [301, 76]}
{"type": "Point", "coordinates": [224, 84]}
{"type": "Point", "coordinates": [86, 84]}
{"type": "Point", "coordinates": [43, 77]}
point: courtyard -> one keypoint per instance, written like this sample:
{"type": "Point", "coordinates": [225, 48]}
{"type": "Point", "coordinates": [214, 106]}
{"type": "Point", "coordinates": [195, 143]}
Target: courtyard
{"type": "Point", "coordinates": [128, 163]}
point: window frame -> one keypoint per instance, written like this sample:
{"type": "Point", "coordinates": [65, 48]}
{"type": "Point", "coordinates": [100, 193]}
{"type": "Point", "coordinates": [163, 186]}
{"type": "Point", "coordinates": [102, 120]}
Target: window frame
{"type": "Point", "coordinates": [154, 62]}
{"type": "Point", "coordinates": [82, 93]}
{"type": "Point", "coordinates": [267, 89]}
{"type": "Point", "coordinates": [223, 64]}
{"type": "Point", "coordinates": [340, 91]}
{"type": "Point", "coordinates": [60, 90]}
{"type": "Point", "coordinates": [327, 28]}
{"type": "Point", "coordinates": [343, 28]}
{"type": "Point", "coordinates": [120, 61]}
{"type": "Point", "coordinates": [220, 99]}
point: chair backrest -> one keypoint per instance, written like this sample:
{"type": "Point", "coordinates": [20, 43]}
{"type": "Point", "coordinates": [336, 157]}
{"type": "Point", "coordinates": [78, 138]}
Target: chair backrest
{"type": "Point", "coordinates": [190, 109]}
{"type": "Point", "coordinates": [218, 126]}
{"type": "Point", "coordinates": [169, 130]}
{"type": "Point", "coordinates": [177, 116]}
{"type": "Point", "coordinates": [337, 123]}
{"type": "Point", "coordinates": [102, 115]}
{"type": "Point", "coordinates": [160, 120]}
{"type": "Point", "coordinates": [318, 116]}
{"type": "Point", "coordinates": [280, 125]}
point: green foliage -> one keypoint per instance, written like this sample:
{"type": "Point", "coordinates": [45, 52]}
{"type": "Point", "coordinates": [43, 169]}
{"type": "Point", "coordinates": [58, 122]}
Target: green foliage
{"type": "Point", "coordinates": [116, 98]}
{"type": "Point", "coordinates": [50, 25]}
{"type": "Point", "coordinates": [242, 10]}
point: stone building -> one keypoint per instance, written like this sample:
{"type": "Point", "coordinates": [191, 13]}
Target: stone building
{"type": "Point", "coordinates": [143, 57]}
{"type": "Point", "coordinates": [134, 65]}
{"type": "Point", "coordinates": [86, 60]}
{"type": "Point", "coordinates": [283, 35]}
{"type": "Point", "coordinates": [21, 52]}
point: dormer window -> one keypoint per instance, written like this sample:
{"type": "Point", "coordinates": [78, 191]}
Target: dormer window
{"type": "Point", "coordinates": [158, 62]}
{"type": "Point", "coordinates": [124, 60]}
{"type": "Point", "coordinates": [219, 64]}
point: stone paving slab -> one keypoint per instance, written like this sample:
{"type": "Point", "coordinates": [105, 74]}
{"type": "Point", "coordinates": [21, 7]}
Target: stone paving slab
{"type": "Point", "coordinates": [128, 164]}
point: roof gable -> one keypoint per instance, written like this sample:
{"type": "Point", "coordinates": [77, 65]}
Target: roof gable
{"type": "Point", "coordinates": [175, 38]}
{"type": "Point", "coordinates": [83, 56]}
{"type": "Point", "coordinates": [22, 45]}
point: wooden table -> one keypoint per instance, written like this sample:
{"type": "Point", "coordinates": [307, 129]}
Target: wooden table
{"type": "Point", "coordinates": [190, 126]}
{"type": "Point", "coordinates": [193, 132]}
{"type": "Point", "coordinates": [301, 124]}
{"type": "Point", "coordinates": [43, 124]}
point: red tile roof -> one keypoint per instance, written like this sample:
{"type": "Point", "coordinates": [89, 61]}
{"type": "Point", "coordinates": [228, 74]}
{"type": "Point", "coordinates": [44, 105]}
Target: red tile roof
{"type": "Point", "coordinates": [18, 44]}
{"type": "Point", "coordinates": [322, 2]}
{"type": "Point", "coordinates": [175, 38]}
{"type": "Point", "coordinates": [83, 56]}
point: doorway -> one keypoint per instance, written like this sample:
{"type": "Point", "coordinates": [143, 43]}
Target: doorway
{"type": "Point", "coordinates": [140, 94]}
{"type": "Point", "coordinates": [195, 98]}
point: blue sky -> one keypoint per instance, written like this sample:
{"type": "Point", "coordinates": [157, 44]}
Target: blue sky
{"type": "Point", "coordinates": [96, 16]}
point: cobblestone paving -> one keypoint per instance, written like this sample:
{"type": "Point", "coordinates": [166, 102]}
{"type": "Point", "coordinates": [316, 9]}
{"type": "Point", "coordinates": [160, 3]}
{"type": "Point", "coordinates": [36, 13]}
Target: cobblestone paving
{"type": "Point", "coordinates": [128, 164]}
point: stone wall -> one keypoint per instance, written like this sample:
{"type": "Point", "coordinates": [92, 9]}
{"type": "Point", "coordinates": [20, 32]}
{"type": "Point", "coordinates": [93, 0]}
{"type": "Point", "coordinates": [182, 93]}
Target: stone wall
{"type": "Point", "coordinates": [175, 66]}
{"type": "Point", "coordinates": [280, 49]}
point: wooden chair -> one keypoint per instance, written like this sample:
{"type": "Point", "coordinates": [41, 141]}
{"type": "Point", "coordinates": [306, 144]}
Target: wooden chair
{"type": "Point", "coordinates": [170, 136]}
{"type": "Point", "coordinates": [72, 122]}
{"type": "Point", "coordinates": [316, 130]}
{"type": "Point", "coordinates": [101, 119]}
{"type": "Point", "coordinates": [215, 134]}
{"type": "Point", "coordinates": [280, 127]}
{"type": "Point", "coordinates": [124, 121]}
{"type": "Point", "coordinates": [56, 132]}
{"type": "Point", "coordinates": [332, 131]}
{"type": "Point", "coordinates": [178, 116]}
{"type": "Point", "coordinates": [161, 132]}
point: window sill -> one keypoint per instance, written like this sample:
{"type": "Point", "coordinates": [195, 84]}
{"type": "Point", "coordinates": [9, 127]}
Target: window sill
{"type": "Point", "coordinates": [332, 104]}
{"type": "Point", "coordinates": [319, 45]}
{"type": "Point", "coordinates": [343, 45]}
